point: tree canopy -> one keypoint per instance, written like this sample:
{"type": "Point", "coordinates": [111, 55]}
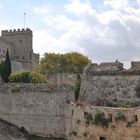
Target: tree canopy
{"type": "Point", "coordinates": [6, 68]}
{"type": "Point", "coordinates": [62, 63]}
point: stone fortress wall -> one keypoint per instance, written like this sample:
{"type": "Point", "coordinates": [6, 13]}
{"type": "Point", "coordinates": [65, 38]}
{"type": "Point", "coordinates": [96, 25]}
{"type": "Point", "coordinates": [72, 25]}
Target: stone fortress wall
{"type": "Point", "coordinates": [3, 47]}
{"type": "Point", "coordinates": [81, 129]}
{"type": "Point", "coordinates": [49, 110]}
{"type": "Point", "coordinates": [61, 78]}
{"type": "Point", "coordinates": [39, 108]}
{"type": "Point", "coordinates": [109, 84]}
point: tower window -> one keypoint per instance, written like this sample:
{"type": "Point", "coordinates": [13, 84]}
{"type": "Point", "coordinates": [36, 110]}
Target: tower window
{"type": "Point", "coordinates": [18, 57]}
{"type": "Point", "coordinates": [20, 41]}
{"type": "Point", "coordinates": [23, 57]}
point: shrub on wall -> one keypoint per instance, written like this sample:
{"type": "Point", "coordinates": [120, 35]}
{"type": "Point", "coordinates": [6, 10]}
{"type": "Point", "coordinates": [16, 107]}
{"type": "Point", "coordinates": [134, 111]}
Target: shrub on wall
{"type": "Point", "coordinates": [126, 104]}
{"type": "Point", "coordinates": [89, 118]}
{"type": "Point", "coordinates": [20, 77]}
{"type": "Point", "coordinates": [100, 119]}
{"type": "Point", "coordinates": [26, 77]}
{"type": "Point", "coordinates": [37, 78]}
{"type": "Point", "coordinates": [120, 117]}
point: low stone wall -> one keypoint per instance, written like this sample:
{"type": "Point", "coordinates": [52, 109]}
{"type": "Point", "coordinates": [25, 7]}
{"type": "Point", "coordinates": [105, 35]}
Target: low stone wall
{"type": "Point", "coordinates": [39, 108]}
{"type": "Point", "coordinates": [84, 128]}
{"type": "Point", "coordinates": [62, 78]}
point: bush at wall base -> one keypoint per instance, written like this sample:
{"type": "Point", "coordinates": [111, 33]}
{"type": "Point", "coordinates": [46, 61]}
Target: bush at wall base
{"type": "Point", "coordinates": [26, 77]}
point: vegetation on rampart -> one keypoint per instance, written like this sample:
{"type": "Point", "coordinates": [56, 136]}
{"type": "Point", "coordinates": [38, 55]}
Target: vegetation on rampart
{"type": "Point", "coordinates": [26, 77]}
{"type": "Point", "coordinates": [120, 116]}
{"type": "Point", "coordinates": [98, 119]}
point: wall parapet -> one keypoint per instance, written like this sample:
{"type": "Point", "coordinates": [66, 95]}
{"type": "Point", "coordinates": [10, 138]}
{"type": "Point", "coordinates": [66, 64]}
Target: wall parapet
{"type": "Point", "coordinates": [62, 78]}
{"type": "Point", "coordinates": [16, 31]}
{"type": "Point", "coordinates": [111, 69]}
{"type": "Point", "coordinates": [31, 87]}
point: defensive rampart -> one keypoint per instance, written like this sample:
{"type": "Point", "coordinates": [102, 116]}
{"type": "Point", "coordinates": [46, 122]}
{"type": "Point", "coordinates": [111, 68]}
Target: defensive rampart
{"type": "Point", "coordinates": [61, 78]}
{"type": "Point", "coordinates": [39, 108]}
{"type": "Point", "coordinates": [47, 110]}
{"type": "Point", "coordinates": [109, 84]}
{"type": "Point", "coordinates": [104, 123]}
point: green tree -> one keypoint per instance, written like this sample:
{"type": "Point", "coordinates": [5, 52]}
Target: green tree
{"type": "Point", "coordinates": [77, 87]}
{"type": "Point", "coordinates": [6, 68]}
{"type": "Point", "coordinates": [1, 68]}
{"type": "Point", "coordinates": [62, 63]}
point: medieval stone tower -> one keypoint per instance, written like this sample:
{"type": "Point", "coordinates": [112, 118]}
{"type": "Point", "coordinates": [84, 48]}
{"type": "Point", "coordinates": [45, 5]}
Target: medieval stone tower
{"type": "Point", "coordinates": [22, 51]}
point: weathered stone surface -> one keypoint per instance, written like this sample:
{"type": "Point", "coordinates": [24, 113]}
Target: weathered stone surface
{"type": "Point", "coordinates": [61, 78]}
{"type": "Point", "coordinates": [128, 129]}
{"type": "Point", "coordinates": [102, 90]}
{"type": "Point", "coordinates": [46, 110]}
{"type": "Point", "coordinates": [111, 87]}
{"type": "Point", "coordinates": [103, 67]}
{"type": "Point", "coordinates": [9, 131]}
{"type": "Point", "coordinates": [135, 65]}
{"type": "Point", "coordinates": [39, 108]}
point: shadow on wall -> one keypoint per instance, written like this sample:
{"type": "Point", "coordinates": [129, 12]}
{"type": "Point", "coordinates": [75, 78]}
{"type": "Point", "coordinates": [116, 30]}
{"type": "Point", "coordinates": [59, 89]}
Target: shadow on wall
{"type": "Point", "coordinates": [33, 137]}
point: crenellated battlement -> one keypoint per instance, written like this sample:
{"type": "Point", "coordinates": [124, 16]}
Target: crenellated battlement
{"type": "Point", "coordinates": [16, 31]}
{"type": "Point", "coordinates": [21, 48]}
{"type": "Point", "coordinates": [112, 68]}
{"type": "Point", "coordinates": [135, 65]}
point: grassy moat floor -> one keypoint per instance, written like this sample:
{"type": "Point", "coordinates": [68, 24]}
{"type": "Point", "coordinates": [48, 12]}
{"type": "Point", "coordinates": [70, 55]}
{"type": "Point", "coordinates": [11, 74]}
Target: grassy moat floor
{"type": "Point", "coordinates": [42, 138]}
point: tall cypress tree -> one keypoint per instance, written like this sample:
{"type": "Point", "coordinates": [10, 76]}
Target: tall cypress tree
{"type": "Point", "coordinates": [7, 68]}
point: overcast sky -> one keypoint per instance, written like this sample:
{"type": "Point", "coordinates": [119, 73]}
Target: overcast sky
{"type": "Point", "coordinates": [104, 30]}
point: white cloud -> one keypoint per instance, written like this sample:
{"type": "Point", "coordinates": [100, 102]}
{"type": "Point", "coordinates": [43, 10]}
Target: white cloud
{"type": "Point", "coordinates": [44, 10]}
{"type": "Point", "coordinates": [107, 35]}
{"type": "Point", "coordinates": [79, 8]}
{"type": "Point", "coordinates": [60, 22]}
{"type": "Point", "coordinates": [37, 10]}
{"type": "Point", "coordinates": [117, 4]}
